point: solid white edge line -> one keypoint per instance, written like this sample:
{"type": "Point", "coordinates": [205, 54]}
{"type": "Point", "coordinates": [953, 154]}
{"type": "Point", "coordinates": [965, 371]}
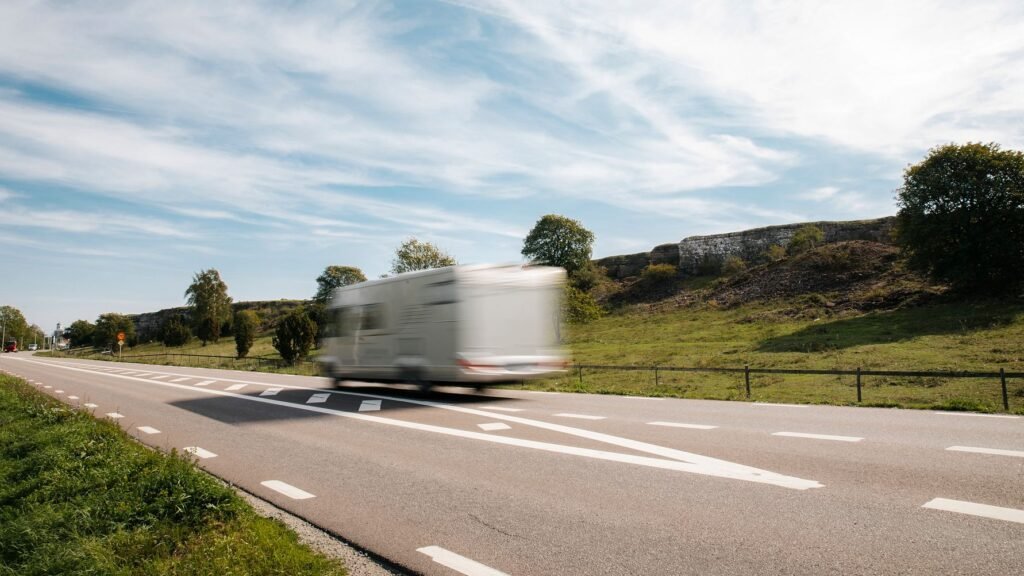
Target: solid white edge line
{"type": "Point", "coordinates": [459, 563]}
{"type": "Point", "coordinates": [993, 451]}
{"type": "Point", "coordinates": [975, 509]}
{"type": "Point", "coordinates": [148, 429]}
{"type": "Point", "coordinates": [504, 409]}
{"type": "Point", "coordinates": [818, 436]}
{"type": "Point", "coordinates": [778, 405]}
{"type": "Point", "coordinates": [1007, 416]}
{"type": "Point", "coordinates": [677, 460]}
{"type": "Point", "coordinates": [683, 425]}
{"type": "Point", "coordinates": [580, 416]}
{"type": "Point", "coordinates": [288, 490]}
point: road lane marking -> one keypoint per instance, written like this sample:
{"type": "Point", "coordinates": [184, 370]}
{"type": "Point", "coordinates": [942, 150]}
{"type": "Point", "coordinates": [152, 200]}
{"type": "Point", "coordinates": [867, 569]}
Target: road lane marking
{"type": "Point", "coordinates": [143, 374]}
{"type": "Point", "coordinates": [148, 430]}
{"type": "Point", "coordinates": [58, 391]}
{"type": "Point", "coordinates": [504, 409]}
{"type": "Point", "coordinates": [683, 425]}
{"type": "Point", "coordinates": [491, 426]}
{"type": "Point", "coordinates": [130, 373]}
{"type": "Point", "coordinates": [90, 405]}
{"type": "Point", "coordinates": [204, 383]}
{"type": "Point", "coordinates": [667, 458]}
{"type": "Point", "coordinates": [199, 452]}
{"type": "Point", "coordinates": [318, 398]}
{"type": "Point", "coordinates": [268, 391]}
{"type": "Point", "coordinates": [72, 397]}
{"type": "Point", "coordinates": [236, 387]}
{"type": "Point", "coordinates": [288, 490]}
{"type": "Point", "coordinates": [580, 416]}
{"type": "Point", "coordinates": [818, 436]}
{"type": "Point", "coordinates": [369, 406]}
{"type": "Point", "coordinates": [973, 509]}
{"type": "Point", "coordinates": [48, 387]}
{"type": "Point", "coordinates": [978, 415]}
{"type": "Point", "coordinates": [179, 379]}
{"type": "Point", "coordinates": [642, 398]}
{"type": "Point", "coordinates": [994, 451]}
{"type": "Point", "coordinates": [778, 405]}
{"type": "Point", "coordinates": [160, 377]}
{"type": "Point", "coordinates": [114, 415]}
{"type": "Point", "coordinates": [460, 564]}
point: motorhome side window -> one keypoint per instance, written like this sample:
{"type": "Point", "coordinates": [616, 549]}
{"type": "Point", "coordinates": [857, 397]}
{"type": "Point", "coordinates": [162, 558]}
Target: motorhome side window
{"type": "Point", "coordinates": [373, 317]}
{"type": "Point", "coordinates": [347, 320]}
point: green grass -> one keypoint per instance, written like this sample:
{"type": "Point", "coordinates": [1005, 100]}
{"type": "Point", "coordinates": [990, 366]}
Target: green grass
{"type": "Point", "coordinates": [78, 496]}
{"type": "Point", "coordinates": [981, 336]}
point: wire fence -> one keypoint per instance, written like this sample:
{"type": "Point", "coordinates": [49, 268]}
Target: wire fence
{"type": "Point", "coordinates": [250, 363]}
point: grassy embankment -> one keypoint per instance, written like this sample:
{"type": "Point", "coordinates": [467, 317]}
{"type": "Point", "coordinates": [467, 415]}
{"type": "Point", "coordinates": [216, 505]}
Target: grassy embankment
{"type": "Point", "coordinates": [953, 336]}
{"type": "Point", "coordinates": [78, 496]}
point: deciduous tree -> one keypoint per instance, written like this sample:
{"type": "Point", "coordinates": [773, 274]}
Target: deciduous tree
{"type": "Point", "coordinates": [107, 327]}
{"type": "Point", "coordinates": [80, 332]}
{"type": "Point", "coordinates": [335, 277]}
{"type": "Point", "coordinates": [415, 255]}
{"type": "Point", "coordinates": [294, 336]}
{"type": "Point", "coordinates": [559, 241]}
{"type": "Point", "coordinates": [210, 304]}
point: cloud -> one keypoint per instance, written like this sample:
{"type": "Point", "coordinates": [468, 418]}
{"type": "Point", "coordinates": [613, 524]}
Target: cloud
{"type": "Point", "coordinates": [100, 223]}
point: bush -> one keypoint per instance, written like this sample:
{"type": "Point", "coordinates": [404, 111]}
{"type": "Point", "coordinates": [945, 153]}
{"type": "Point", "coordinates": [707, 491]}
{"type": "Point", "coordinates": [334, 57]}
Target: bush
{"type": "Point", "coordinates": [580, 307]}
{"type": "Point", "coordinates": [246, 325]}
{"type": "Point", "coordinates": [733, 265]}
{"type": "Point", "coordinates": [775, 253]}
{"type": "Point", "coordinates": [658, 273]}
{"type": "Point", "coordinates": [175, 332]}
{"type": "Point", "coordinates": [806, 238]}
{"type": "Point", "coordinates": [294, 336]}
{"type": "Point", "coordinates": [961, 216]}
{"type": "Point", "coordinates": [587, 276]}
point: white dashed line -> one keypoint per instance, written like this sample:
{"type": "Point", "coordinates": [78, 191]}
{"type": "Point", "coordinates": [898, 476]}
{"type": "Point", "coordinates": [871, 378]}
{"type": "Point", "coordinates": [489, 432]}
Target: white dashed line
{"type": "Point", "coordinates": [369, 406]}
{"type": "Point", "coordinates": [143, 374]}
{"type": "Point", "coordinates": [993, 451]}
{"type": "Point", "coordinates": [204, 383]}
{"type": "Point", "coordinates": [973, 509]}
{"type": "Point", "coordinates": [318, 398]}
{"type": "Point", "coordinates": [683, 425]}
{"type": "Point", "coordinates": [199, 452]}
{"type": "Point", "coordinates": [580, 416]}
{"type": "Point", "coordinates": [236, 387]}
{"type": "Point", "coordinates": [460, 564]}
{"type": "Point", "coordinates": [160, 377]}
{"type": "Point", "coordinates": [148, 430]}
{"type": "Point", "coordinates": [48, 387]}
{"type": "Point", "coordinates": [270, 391]}
{"type": "Point", "coordinates": [288, 490]}
{"type": "Point", "coordinates": [818, 436]}
{"type": "Point", "coordinates": [90, 405]}
{"type": "Point", "coordinates": [58, 391]}
{"type": "Point", "coordinates": [114, 415]}
{"type": "Point", "coordinates": [179, 379]}
{"type": "Point", "coordinates": [978, 415]}
{"type": "Point", "coordinates": [72, 397]}
{"type": "Point", "coordinates": [490, 427]}
{"type": "Point", "coordinates": [504, 409]}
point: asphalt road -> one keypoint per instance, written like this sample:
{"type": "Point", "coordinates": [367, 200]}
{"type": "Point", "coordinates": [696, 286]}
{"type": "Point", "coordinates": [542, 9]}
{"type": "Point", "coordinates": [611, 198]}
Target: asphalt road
{"type": "Point", "coordinates": [523, 483]}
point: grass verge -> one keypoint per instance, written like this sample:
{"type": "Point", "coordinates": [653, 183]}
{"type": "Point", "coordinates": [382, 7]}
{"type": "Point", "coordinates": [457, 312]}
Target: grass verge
{"type": "Point", "coordinates": [79, 496]}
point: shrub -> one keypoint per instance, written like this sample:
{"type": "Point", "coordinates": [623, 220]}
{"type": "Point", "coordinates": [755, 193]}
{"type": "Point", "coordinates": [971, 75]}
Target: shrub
{"type": "Point", "coordinates": [806, 238]}
{"type": "Point", "coordinates": [733, 265]}
{"type": "Point", "coordinates": [294, 336]}
{"type": "Point", "coordinates": [579, 307]}
{"type": "Point", "coordinates": [246, 325]}
{"type": "Point", "coordinates": [775, 253]}
{"type": "Point", "coordinates": [587, 276]}
{"type": "Point", "coordinates": [658, 273]}
{"type": "Point", "coordinates": [175, 332]}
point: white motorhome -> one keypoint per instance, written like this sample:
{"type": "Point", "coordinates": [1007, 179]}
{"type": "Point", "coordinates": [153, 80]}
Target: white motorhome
{"type": "Point", "coordinates": [474, 325]}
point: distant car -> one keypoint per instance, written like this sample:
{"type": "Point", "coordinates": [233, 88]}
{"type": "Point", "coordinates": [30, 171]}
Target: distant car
{"type": "Point", "coordinates": [33, 347]}
{"type": "Point", "coordinates": [11, 346]}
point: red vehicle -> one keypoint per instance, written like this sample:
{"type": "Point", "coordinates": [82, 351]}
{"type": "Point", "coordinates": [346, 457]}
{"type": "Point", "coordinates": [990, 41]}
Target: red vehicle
{"type": "Point", "coordinates": [11, 346]}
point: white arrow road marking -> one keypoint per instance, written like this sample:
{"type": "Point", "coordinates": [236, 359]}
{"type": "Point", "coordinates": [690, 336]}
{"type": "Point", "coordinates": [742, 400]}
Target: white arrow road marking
{"type": "Point", "coordinates": [978, 415]}
{"type": "Point", "coordinates": [983, 510]}
{"type": "Point", "coordinates": [90, 405]}
{"type": "Point", "coordinates": [581, 416]}
{"type": "Point", "coordinates": [199, 452]}
{"type": "Point", "coordinates": [460, 564]}
{"type": "Point", "coordinates": [683, 425]}
{"type": "Point", "coordinates": [148, 430]}
{"type": "Point", "coordinates": [114, 415]}
{"type": "Point", "coordinates": [318, 398]}
{"type": "Point", "coordinates": [994, 451]}
{"type": "Point", "coordinates": [288, 490]}
{"type": "Point", "coordinates": [818, 436]}
{"type": "Point", "coordinates": [205, 383]}
{"type": "Point", "coordinates": [670, 459]}
{"type": "Point", "coordinates": [494, 426]}
{"type": "Point", "coordinates": [179, 379]}
{"type": "Point", "coordinates": [236, 386]}
{"type": "Point", "coordinates": [268, 391]}
{"type": "Point", "coordinates": [369, 406]}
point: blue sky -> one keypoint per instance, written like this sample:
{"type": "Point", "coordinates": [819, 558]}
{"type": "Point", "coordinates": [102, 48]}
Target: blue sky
{"type": "Point", "coordinates": [141, 142]}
